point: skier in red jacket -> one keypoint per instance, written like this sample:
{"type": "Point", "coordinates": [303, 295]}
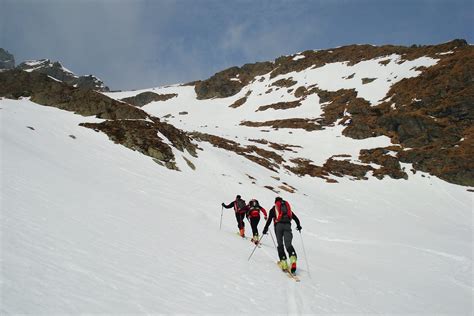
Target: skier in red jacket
{"type": "Point", "coordinates": [253, 210]}
{"type": "Point", "coordinates": [282, 215]}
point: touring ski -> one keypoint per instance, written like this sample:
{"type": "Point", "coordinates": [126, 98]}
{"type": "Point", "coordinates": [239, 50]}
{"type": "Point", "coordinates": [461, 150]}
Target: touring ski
{"type": "Point", "coordinates": [289, 274]}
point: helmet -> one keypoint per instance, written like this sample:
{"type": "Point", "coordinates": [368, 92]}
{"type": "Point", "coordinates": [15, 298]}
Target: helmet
{"type": "Point", "coordinates": [237, 197]}
{"type": "Point", "coordinates": [278, 198]}
{"type": "Point", "coordinates": [253, 202]}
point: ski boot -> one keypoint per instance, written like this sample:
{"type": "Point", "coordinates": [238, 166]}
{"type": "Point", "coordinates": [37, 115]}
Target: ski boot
{"type": "Point", "coordinates": [242, 232]}
{"type": "Point", "coordinates": [283, 265]}
{"type": "Point", "coordinates": [293, 263]}
{"type": "Point", "coordinates": [255, 239]}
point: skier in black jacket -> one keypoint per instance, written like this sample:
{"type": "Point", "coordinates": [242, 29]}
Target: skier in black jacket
{"type": "Point", "coordinates": [282, 215]}
{"type": "Point", "coordinates": [238, 204]}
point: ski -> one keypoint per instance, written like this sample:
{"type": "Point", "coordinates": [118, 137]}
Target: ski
{"type": "Point", "coordinates": [289, 274]}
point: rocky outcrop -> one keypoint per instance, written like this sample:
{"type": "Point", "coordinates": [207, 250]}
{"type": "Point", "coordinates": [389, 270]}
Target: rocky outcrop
{"type": "Point", "coordinates": [57, 71]}
{"type": "Point", "coordinates": [266, 158]}
{"type": "Point", "coordinates": [46, 91]}
{"type": "Point", "coordinates": [7, 60]}
{"type": "Point", "coordinates": [306, 124]}
{"type": "Point", "coordinates": [430, 115]}
{"type": "Point", "coordinates": [279, 106]}
{"type": "Point", "coordinates": [230, 81]}
{"type": "Point", "coordinates": [144, 98]}
{"type": "Point", "coordinates": [125, 124]}
{"type": "Point", "coordinates": [143, 136]}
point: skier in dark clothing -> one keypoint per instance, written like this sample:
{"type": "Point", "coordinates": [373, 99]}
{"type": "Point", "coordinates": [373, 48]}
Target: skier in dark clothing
{"type": "Point", "coordinates": [282, 215]}
{"type": "Point", "coordinates": [239, 209]}
{"type": "Point", "coordinates": [252, 212]}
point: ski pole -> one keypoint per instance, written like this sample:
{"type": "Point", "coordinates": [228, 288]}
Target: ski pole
{"type": "Point", "coordinates": [255, 248]}
{"type": "Point", "coordinates": [305, 256]}
{"type": "Point", "coordinates": [222, 211]}
{"type": "Point", "coordinates": [274, 244]}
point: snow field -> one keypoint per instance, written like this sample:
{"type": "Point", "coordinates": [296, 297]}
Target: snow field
{"type": "Point", "coordinates": [89, 226]}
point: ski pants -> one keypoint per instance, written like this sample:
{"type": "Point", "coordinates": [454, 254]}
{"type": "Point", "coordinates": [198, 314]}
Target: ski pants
{"type": "Point", "coordinates": [240, 219]}
{"type": "Point", "coordinates": [254, 223]}
{"type": "Point", "coordinates": [284, 236]}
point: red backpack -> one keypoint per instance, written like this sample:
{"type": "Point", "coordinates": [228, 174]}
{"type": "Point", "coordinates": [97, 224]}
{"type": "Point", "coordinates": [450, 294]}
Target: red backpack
{"type": "Point", "coordinates": [283, 212]}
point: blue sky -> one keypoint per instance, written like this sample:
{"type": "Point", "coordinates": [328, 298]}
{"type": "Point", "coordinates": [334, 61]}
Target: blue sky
{"type": "Point", "coordinates": [134, 44]}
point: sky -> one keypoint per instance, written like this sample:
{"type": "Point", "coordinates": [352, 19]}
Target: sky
{"type": "Point", "coordinates": [132, 44]}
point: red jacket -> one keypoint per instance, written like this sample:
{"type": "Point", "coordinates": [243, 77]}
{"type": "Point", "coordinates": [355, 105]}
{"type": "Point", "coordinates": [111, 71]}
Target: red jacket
{"type": "Point", "coordinates": [254, 211]}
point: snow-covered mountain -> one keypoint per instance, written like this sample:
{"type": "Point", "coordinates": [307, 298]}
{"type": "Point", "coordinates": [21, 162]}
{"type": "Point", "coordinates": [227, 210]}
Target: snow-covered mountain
{"type": "Point", "coordinates": [57, 71]}
{"type": "Point", "coordinates": [370, 145]}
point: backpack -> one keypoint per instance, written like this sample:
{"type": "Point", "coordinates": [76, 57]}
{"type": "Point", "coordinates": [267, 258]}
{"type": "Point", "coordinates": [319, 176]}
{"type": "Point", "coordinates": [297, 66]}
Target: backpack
{"type": "Point", "coordinates": [283, 212]}
{"type": "Point", "coordinates": [240, 204]}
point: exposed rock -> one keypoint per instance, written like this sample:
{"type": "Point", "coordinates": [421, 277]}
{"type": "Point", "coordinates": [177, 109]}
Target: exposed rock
{"type": "Point", "coordinates": [126, 125]}
{"type": "Point", "coordinates": [381, 156]}
{"type": "Point", "coordinates": [368, 80]}
{"type": "Point", "coordinates": [276, 146]}
{"type": "Point", "coordinates": [221, 86]}
{"type": "Point", "coordinates": [144, 98]}
{"type": "Point", "coordinates": [279, 106]}
{"type": "Point", "coordinates": [306, 167]}
{"type": "Point", "coordinates": [7, 60]}
{"type": "Point", "coordinates": [284, 83]}
{"type": "Point", "coordinates": [57, 71]}
{"type": "Point", "coordinates": [306, 124]}
{"type": "Point", "coordinates": [46, 91]}
{"type": "Point", "coordinates": [340, 168]}
{"type": "Point", "coordinates": [238, 102]}
{"type": "Point", "coordinates": [265, 158]}
{"type": "Point", "coordinates": [137, 135]}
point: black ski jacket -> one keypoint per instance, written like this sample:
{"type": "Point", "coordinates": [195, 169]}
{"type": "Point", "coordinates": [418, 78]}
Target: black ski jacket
{"type": "Point", "coordinates": [233, 205]}
{"type": "Point", "coordinates": [272, 215]}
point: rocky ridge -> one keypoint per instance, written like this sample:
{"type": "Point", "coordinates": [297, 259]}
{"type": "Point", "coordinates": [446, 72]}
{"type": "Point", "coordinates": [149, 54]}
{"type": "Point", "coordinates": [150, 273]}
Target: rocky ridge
{"type": "Point", "coordinates": [123, 123]}
{"type": "Point", "coordinates": [57, 71]}
{"type": "Point", "coordinates": [429, 118]}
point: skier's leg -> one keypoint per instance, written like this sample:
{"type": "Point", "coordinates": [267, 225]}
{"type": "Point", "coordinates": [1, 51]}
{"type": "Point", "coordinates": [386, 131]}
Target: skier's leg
{"type": "Point", "coordinates": [279, 237]}
{"type": "Point", "coordinates": [237, 217]}
{"type": "Point", "coordinates": [254, 223]}
{"type": "Point", "coordinates": [288, 238]}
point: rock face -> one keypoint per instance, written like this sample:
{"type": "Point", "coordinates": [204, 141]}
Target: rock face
{"type": "Point", "coordinates": [430, 116]}
{"type": "Point", "coordinates": [7, 60]}
{"type": "Point", "coordinates": [230, 81]}
{"type": "Point", "coordinates": [125, 124]}
{"type": "Point", "coordinates": [59, 72]}
{"type": "Point", "coordinates": [147, 97]}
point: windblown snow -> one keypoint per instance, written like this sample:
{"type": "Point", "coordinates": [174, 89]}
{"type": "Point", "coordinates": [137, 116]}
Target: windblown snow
{"type": "Point", "coordinates": [89, 226]}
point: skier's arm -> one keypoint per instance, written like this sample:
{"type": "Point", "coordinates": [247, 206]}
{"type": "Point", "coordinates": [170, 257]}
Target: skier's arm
{"type": "Point", "coordinates": [297, 221]}
{"type": "Point", "coordinates": [263, 211]}
{"type": "Point", "coordinates": [271, 215]}
{"type": "Point", "coordinates": [230, 205]}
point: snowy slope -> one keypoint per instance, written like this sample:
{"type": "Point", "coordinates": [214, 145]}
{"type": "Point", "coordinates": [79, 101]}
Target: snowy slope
{"type": "Point", "coordinates": [89, 226]}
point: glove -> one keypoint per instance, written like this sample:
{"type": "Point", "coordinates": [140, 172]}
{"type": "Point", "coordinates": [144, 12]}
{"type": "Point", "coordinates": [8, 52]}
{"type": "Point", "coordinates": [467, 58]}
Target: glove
{"type": "Point", "coordinates": [223, 204]}
{"type": "Point", "coordinates": [265, 218]}
{"type": "Point", "coordinates": [265, 231]}
{"type": "Point", "coordinates": [299, 228]}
